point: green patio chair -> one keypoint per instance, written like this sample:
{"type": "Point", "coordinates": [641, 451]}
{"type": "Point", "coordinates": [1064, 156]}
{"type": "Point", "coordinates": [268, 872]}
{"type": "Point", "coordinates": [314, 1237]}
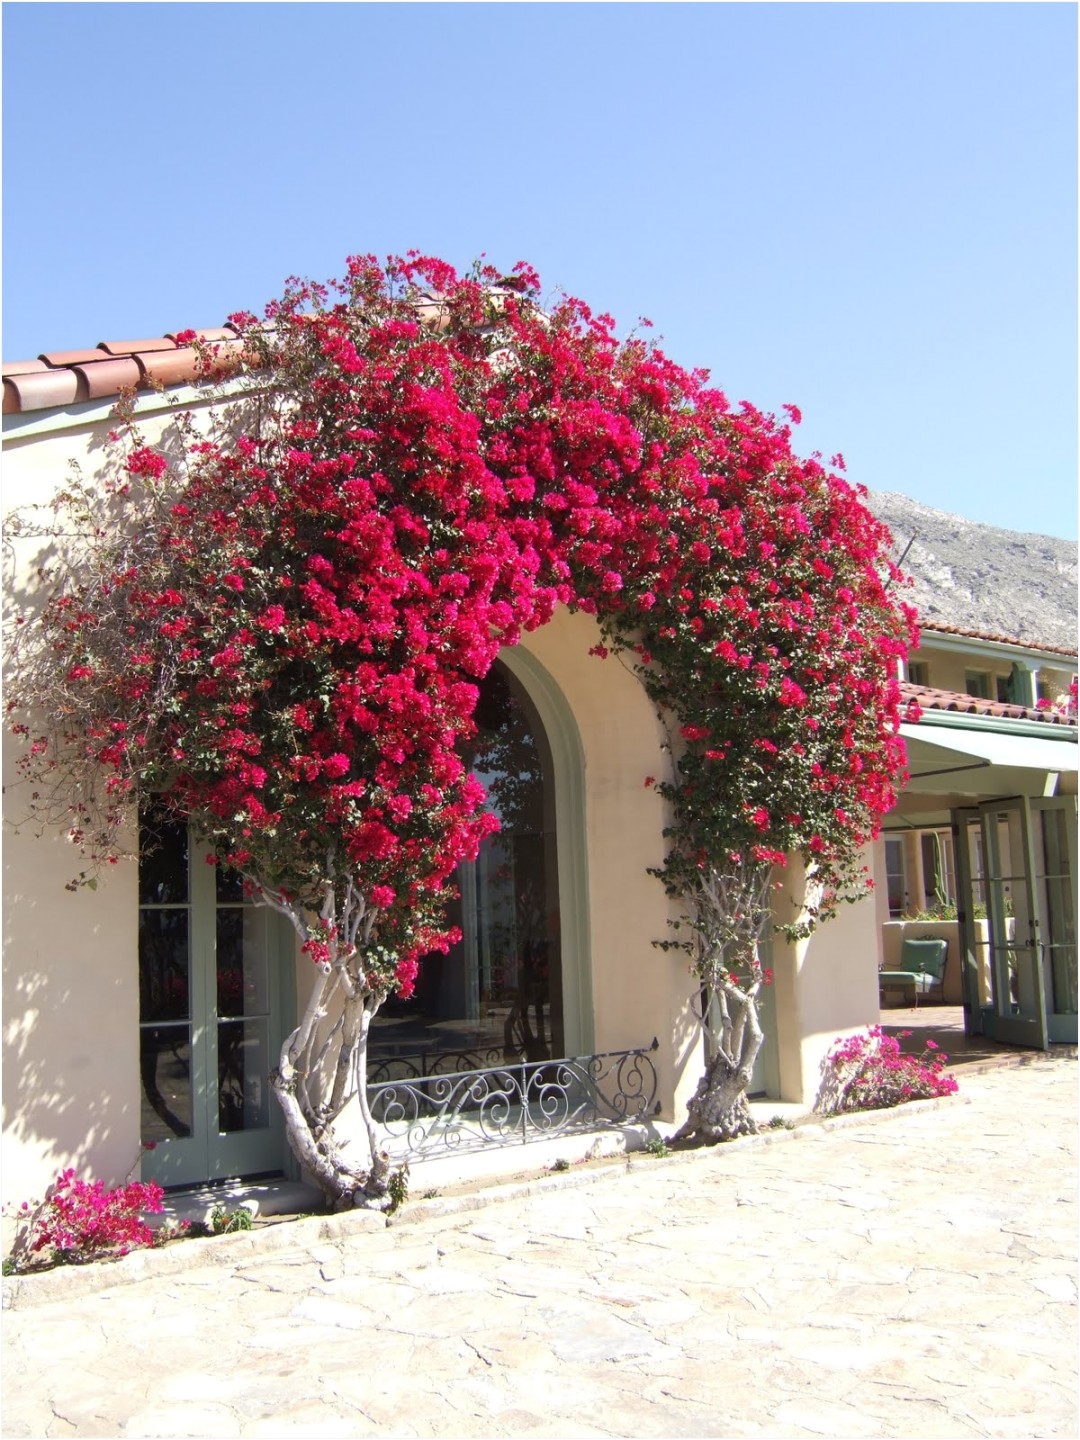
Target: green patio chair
{"type": "Point", "coordinates": [922, 969]}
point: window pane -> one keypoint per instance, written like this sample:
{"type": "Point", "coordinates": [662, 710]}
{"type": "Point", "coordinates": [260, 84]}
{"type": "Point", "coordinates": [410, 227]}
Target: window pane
{"type": "Point", "coordinates": [1063, 979]}
{"type": "Point", "coordinates": [163, 858]}
{"type": "Point", "coordinates": [977, 683]}
{"type": "Point", "coordinates": [243, 1064]}
{"type": "Point", "coordinates": [229, 884]}
{"type": "Point", "coordinates": [165, 1068]}
{"type": "Point", "coordinates": [164, 965]}
{"type": "Point", "coordinates": [241, 960]}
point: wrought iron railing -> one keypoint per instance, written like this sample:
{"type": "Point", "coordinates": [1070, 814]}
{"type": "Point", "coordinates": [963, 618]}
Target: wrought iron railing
{"type": "Point", "coordinates": [514, 1104]}
{"type": "Point", "coordinates": [382, 1068]}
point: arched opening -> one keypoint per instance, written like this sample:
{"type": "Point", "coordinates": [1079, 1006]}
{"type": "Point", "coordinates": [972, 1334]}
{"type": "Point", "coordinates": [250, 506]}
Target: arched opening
{"type": "Point", "coordinates": [497, 996]}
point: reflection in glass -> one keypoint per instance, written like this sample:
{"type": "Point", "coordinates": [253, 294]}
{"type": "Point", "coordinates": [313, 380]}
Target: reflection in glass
{"type": "Point", "coordinates": [1063, 979]}
{"type": "Point", "coordinates": [164, 965]}
{"type": "Point", "coordinates": [243, 1065]}
{"type": "Point", "coordinates": [242, 960]}
{"type": "Point", "coordinates": [497, 996]}
{"type": "Point", "coordinates": [1059, 909]}
{"type": "Point", "coordinates": [228, 885]}
{"type": "Point", "coordinates": [163, 857]}
{"type": "Point", "coordinates": [165, 1070]}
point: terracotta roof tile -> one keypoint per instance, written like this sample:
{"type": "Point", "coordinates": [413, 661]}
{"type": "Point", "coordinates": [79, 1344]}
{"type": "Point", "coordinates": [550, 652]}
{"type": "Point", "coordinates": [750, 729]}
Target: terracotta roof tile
{"type": "Point", "coordinates": [41, 391]}
{"type": "Point", "coordinates": [59, 359]}
{"type": "Point", "coordinates": [107, 377]}
{"type": "Point", "coordinates": [23, 367]}
{"type": "Point", "coordinates": [959, 630]}
{"type": "Point", "coordinates": [65, 377]}
{"type": "Point", "coordinates": [136, 347]}
{"type": "Point", "coordinates": [169, 367]}
{"type": "Point", "coordinates": [930, 698]}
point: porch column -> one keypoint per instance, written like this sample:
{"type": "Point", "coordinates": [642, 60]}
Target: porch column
{"type": "Point", "coordinates": [914, 878]}
{"type": "Point", "coordinates": [826, 986]}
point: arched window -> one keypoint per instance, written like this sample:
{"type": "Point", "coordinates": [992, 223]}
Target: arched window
{"type": "Point", "coordinates": [497, 996]}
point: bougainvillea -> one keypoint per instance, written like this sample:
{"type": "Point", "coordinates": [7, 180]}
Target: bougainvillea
{"type": "Point", "coordinates": [868, 1071]}
{"type": "Point", "coordinates": [280, 623]}
{"type": "Point", "coordinates": [81, 1220]}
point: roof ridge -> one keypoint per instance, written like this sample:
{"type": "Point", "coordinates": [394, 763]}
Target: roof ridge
{"type": "Point", "coordinates": [66, 377]}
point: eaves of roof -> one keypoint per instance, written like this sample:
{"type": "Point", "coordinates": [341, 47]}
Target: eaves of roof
{"type": "Point", "coordinates": [1010, 640]}
{"type": "Point", "coordinates": [951, 703]}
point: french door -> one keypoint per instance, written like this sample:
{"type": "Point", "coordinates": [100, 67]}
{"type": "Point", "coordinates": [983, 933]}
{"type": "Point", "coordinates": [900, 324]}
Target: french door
{"type": "Point", "coordinates": [1017, 861]}
{"type": "Point", "coordinates": [211, 1023]}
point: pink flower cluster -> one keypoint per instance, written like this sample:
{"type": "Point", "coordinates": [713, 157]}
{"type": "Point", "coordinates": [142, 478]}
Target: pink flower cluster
{"type": "Point", "coordinates": [868, 1071]}
{"type": "Point", "coordinates": [81, 1220]}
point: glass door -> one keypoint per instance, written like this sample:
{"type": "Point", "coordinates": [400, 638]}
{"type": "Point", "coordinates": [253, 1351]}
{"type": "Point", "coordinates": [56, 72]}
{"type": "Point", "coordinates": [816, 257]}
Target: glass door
{"type": "Point", "coordinates": [1053, 827]}
{"type": "Point", "coordinates": [210, 1014]}
{"type": "Point", "coordinates": [1018, 991]}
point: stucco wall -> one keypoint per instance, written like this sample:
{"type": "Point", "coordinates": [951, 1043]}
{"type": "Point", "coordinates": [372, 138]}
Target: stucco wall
{"type": "Point", "coordinates": [71, 1015]}
{"type": "Point", "coordinates": [638, 991]}
{"type": "Point", "coordinates": [826, 986]}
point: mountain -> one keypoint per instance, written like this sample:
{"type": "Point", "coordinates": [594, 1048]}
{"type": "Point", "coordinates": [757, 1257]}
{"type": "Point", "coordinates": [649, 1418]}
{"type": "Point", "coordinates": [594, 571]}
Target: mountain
{"type": "Point", "coordinates": [977, 577]}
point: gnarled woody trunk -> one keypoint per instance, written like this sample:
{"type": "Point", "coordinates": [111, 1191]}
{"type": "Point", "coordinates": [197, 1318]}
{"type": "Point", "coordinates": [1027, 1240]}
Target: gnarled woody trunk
{"type": "Point", "coordinates": [306, 1057]}
{"type": "Point", "coordinates": [718, 1109]}
{"type": "Point", "coordinates": [323, 1064]}
{"type": "Point", "coordinates": [729, 913]}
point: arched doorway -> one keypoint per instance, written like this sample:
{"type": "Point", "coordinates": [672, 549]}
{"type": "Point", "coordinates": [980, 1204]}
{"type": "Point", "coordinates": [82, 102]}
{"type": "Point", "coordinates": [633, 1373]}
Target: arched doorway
{"type": "Point", "coordinates": [497, 996]}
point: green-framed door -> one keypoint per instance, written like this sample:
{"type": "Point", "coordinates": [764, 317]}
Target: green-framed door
{"type": "Point", "coordinates": [1053, 832]}
{"type": "Point", "coordinates": [1018, 996]}
{"type": "Point", "coordinates": [211, 1015]}
{"type": "Point", "coordinates": [1016, 870]}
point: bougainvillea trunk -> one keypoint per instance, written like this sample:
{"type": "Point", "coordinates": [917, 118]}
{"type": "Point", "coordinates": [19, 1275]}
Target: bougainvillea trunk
{"type": "Point", "coordinates": [719, 1110]}
{"type": "Point", "coordinates": [346, 1176]}
{"type": "Point", "coordinates": [728, 916]}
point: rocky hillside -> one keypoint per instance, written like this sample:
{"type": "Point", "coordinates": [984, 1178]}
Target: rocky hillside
{"type": "Point", "coordinates": [999, 582]}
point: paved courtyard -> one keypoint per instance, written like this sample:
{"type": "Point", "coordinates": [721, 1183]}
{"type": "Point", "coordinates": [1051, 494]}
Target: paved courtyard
{"type": "Point", "coordinates": [910, 1274]}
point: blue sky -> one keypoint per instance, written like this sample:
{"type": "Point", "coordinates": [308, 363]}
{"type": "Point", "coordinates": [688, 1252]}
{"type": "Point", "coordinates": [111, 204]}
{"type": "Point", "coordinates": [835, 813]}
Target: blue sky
{"type": "Point", "coordinates": [869, 210]}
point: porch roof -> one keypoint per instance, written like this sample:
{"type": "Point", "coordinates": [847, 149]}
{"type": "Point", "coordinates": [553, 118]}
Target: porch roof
{"type": "Point", "coordinates": [942, 746]}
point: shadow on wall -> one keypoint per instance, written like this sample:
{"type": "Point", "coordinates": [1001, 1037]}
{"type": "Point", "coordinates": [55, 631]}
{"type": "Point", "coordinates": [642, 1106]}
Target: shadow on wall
{"type": "Point", "coordinates": [71, 1003]}
{"type": "Point", "coordinates": [70, 1063]}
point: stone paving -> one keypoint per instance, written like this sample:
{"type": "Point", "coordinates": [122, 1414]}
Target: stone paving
{"type": "Point", "coordinates": [909, 1274]}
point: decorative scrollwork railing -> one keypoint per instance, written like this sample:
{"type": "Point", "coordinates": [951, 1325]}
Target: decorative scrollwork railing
{"type": "Point", "coordinates": [514, 1104]}
{"type": "Point", "coordinates": [383, 1068]}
